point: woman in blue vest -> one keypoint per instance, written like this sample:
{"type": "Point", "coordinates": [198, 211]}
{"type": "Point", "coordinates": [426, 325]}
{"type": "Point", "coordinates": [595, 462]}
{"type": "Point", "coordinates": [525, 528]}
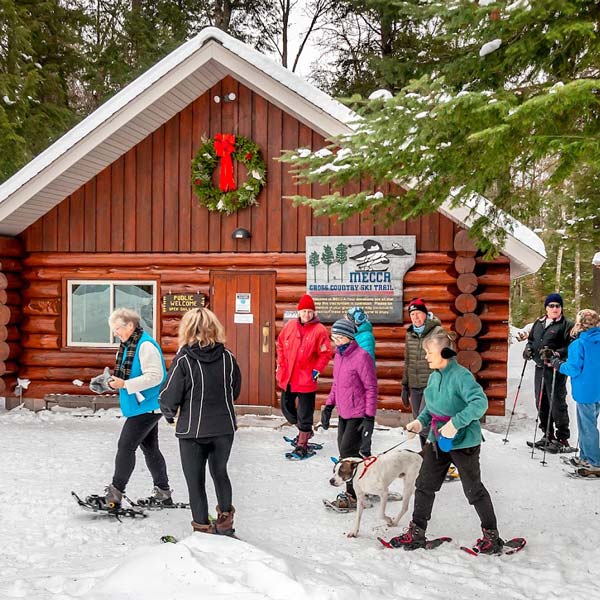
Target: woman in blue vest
{"type": "Point", "coordinates": [139, 372]}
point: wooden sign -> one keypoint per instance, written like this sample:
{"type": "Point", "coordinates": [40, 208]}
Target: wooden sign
{"type": "Point", "coordinates": [180, 303]}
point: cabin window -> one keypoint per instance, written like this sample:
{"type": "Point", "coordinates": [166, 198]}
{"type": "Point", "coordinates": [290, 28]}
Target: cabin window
{"type": "Point", "coordinates": [90, 303]}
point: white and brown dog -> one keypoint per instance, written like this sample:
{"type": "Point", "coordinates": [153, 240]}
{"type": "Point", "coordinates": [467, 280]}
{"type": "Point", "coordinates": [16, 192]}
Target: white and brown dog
{"type": "Point", "coordinates": [373, 475]}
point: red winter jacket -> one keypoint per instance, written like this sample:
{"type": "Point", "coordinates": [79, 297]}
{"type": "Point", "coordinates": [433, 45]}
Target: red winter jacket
{"type": "Point", "coordinates": [300, 349]}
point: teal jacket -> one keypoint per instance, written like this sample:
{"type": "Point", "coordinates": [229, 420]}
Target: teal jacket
{"type": "Point", "coordinates": [453, 392]}
{"type": "Point", "coordinates": [365, 338]}
{"type": "Point", "coordinates": [130, 406]}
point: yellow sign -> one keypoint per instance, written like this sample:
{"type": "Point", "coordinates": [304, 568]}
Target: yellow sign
{"type": "Point", "coordinates": [180, 303]}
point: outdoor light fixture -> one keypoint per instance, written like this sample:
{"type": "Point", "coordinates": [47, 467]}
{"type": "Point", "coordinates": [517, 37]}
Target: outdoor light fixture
{"type": "Point", "coordinates": [226, 98]}
{"type": "Point", "coordinates": [241, 234]}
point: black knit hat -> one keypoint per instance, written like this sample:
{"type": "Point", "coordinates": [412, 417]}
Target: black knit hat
{"type": "Point", "coordinates": [417, 304]}
{"type": "Point", "coordinates": [344, 327]}
{"type": "Point", "coordinates": [554, 297]}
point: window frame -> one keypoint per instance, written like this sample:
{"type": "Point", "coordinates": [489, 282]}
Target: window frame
{"type": "Point", "coordinates": [68, 284]}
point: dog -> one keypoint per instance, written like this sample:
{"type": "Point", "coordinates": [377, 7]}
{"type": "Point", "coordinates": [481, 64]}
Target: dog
{"type": "Point", "coordinates": [373, 475]}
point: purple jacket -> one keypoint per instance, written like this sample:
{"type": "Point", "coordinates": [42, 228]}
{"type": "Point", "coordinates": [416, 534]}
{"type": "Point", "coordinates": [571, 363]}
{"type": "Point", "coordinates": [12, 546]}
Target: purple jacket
{"type": "Point", "coordinates": [354, 389]}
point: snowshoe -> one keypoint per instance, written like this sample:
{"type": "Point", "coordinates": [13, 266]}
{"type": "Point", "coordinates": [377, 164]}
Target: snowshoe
{"type": "Point", "coordinates": [452, 474]}
{"type": "Point", "coordinates": [300, 453]}
{"type": "Point", "coordinates": [342, 504]}
{"type": "Point", "coordinates": [97, 505]}
{"type": "Point", "coordinates": [574, 461]}
{"type": "Point", "coordinates": [429, 544]}
{"type": "Point", "coordinates": [310, 445]}
{"type": "Point", "coordinates": [560, 447]}
{"type": "Point", "coordinates": [510, 547]}
{"type": "Point", "coordinates": [168, 539]}
{"type": "Point", "coordinates": [585, 473]}
{"type": "Point", "coordinates": [540, 443]}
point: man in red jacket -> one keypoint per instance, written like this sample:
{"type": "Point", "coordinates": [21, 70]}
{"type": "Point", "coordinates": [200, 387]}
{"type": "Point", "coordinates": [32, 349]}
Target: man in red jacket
{"type": "Point", "coordinates": [303, 351]}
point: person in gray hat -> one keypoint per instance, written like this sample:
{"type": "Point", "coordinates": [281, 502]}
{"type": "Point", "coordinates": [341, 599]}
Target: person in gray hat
{"type": "Point", "coordinates": [354, 393]}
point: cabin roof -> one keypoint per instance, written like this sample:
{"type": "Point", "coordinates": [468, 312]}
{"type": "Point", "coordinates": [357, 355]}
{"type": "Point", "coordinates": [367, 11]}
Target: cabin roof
{"type": "Point", "coordinates": [160, 93]}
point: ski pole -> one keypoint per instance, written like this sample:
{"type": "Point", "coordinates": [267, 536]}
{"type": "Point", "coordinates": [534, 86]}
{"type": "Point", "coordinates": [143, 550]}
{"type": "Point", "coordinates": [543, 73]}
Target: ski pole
{"type": "Point", "coordinates": [538, 407]}
{"type": "Point", "coordinates": [512, 414]}
{"type": "Point", "coordinates": [551, 402]}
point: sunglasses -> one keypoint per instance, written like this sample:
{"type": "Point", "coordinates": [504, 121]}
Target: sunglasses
{"type": "Point", "coordinates": [553, 305]}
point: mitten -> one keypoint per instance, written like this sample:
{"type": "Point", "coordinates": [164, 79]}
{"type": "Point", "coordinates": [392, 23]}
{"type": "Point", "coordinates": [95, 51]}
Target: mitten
{"type": "Point", "coordinates": [315, 375]}
{"type": "Point", "coordinates": [448, 430]}
{"type": "Point", "coordinates": [413, 428]}
{"type": "Point", "coordinates": [326, 416]}
{"type": "Point", "coordinates": [367, 425]}
{"type": "Point", "coordinates": [99, 384]}
{"type": "Point", "coordinates": [547, 354]}
{"type": "Point", "coordinates": [556, 362]}
{"type": "Point", "coordinates": [528, 353]}
{"type": "Point", "coordinates": [405, 396]}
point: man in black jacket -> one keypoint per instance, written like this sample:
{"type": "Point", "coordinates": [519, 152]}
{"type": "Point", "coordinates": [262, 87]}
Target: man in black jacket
{"type": "Point", "coordinates": [551, 331]}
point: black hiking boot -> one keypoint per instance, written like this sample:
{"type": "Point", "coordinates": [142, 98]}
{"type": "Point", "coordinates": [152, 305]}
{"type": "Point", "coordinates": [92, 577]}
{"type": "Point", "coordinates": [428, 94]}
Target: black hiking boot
{"type": "Point", "coordinates": [412, 539]}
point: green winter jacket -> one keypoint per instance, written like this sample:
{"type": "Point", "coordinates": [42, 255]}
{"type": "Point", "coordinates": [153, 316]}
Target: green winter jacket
{"type": "Point", "coordinates": [416, 369]}
{"type": "Point", "coordinates": [453, 392]}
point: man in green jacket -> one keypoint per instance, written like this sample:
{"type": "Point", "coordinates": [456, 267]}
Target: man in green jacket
{"type": "Point", "coordinates": [416, 369]}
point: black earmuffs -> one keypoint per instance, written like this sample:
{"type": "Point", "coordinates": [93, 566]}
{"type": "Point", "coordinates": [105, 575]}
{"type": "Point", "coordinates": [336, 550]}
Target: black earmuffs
{"type": "Point", "coordinates": [448, 353]}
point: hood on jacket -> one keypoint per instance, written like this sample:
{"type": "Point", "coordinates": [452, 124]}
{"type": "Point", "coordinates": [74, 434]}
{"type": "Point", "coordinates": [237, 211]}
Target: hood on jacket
{"type": "Point", "coordinates": [205, 354]}
{"type": "Point", "coordinates": [591, 335]}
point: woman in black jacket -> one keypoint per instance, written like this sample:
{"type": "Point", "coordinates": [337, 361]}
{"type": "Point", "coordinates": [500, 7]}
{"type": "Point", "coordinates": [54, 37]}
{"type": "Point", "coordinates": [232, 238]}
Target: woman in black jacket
{"type": "Point", "coordinates": [202, 384]}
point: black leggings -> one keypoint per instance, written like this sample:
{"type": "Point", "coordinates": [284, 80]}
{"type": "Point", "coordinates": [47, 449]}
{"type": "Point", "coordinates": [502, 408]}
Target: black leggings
{"type": "Point", "coordinates": [303, 415]}
{"type": "Point", "coordinates": [432, 474]}
{"type": "Point", "coordinates": [140, 431]}
{"type": "Point", "coordinates": [195, 453]}
{"type": "Point", "coordinates": [349, 439]}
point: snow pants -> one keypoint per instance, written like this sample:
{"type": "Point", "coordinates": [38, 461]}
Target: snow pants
{"type": "Point", "coordinates": [303, 414]}
{"type": "Point", "coordinates": [349, 438]}
{"type": "Point", "coordinates": [559, 419]}
{"type": "Point", "coordinates": [195, 453]}
{"type": "Point", "coordinates": [431, 477]}
{"type": "Point", "coordinates": [140, 431]}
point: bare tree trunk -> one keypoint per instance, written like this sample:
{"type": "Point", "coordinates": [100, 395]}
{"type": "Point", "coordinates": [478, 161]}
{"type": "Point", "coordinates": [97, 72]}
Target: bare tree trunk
{"type": "Point", "coordinates": [577, 287]}
{"type": "Point", "coordinates": [223, 14]}
{"type": "Point", "coordinates": [559, 258]}
{"type": "Point", "coordinates": [285, 23]}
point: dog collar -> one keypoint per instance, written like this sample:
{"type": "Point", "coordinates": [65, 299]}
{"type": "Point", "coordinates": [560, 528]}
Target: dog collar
{"type": "Point", "coordinates": [367, 462]}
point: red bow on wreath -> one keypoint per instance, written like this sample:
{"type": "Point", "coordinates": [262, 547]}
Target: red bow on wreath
{"type": "Point", "coordinates": [224, 147]}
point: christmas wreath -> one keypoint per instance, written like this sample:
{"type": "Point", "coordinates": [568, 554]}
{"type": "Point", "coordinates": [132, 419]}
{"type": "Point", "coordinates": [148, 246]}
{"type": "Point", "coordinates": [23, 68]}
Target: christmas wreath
{"type": "Point", "coordinates": [227, 197]}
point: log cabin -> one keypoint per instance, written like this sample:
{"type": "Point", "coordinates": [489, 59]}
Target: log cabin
{"type": "Point", "coordinates": [107, 216]}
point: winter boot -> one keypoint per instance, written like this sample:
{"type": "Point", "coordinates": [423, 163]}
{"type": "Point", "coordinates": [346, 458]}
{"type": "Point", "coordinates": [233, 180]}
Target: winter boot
{"type": "Point", "coordinates": [159, 497]}
{"type": "Point", "coordinates": [224, 525]}
{"type": "Point", "coordinates": [201, 528]}
{"type": "Point", "coordinates": [112, 498]}
{"type": "Point", "coordinates": [301, 448]}
{"type": "Point", "coordinates": [560, 447]}
{"type": "Point", "coordinates": [344, 502]}
{"type": "Point", "coordinates": [412, 539]}
{"type": "Point", "coordinates": [490, 543]}
{"type": "Point", "coordinates": [544, 441]}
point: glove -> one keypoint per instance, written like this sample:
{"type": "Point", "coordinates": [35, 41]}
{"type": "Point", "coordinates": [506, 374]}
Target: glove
{"type": "Point", "coordinates": [413, 428]}
{"type": "Point", "coordinates": [448, 430]}
{"type": "Point", "coordinates": [556, 362]}
{"type": "Point", "coordinates": [326, 416]}
{"type": "Point", "coordinates": [315, 375]}
{"type": "Point", "coordinates": [528, 353]}
{"type": "Point", "coordinates": [547, 354]}
{"type": "Point", "coordinates": [99, 384]}
{"type": "Point", "coordinates": [170, 420]}
{"type": "Point", "coordinates": [405, 396]}
{"type": "Point", "coordinates": [367, 425]}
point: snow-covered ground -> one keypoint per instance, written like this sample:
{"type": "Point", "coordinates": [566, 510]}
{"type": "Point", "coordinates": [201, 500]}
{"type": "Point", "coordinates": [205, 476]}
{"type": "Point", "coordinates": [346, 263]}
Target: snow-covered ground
{"type": "Point", "coordinates": [292, 547]}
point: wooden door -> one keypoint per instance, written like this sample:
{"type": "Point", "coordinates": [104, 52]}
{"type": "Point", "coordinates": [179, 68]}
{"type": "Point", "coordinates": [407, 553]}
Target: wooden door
{"type": "Point", "coordinates": [244, 301]}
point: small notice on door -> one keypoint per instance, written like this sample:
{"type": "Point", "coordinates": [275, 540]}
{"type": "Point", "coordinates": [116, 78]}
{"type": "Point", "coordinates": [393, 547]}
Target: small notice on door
{"type": "Point", "coordinates": [242, 303]}
{"type": "Point", "coordinates": [243, 318]}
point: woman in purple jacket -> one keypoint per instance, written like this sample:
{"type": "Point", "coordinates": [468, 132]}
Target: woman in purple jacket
{"type": "Point", "coordinates": [354, 393]}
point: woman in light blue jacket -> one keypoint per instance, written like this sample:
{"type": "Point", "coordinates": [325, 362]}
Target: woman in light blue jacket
{"type": "Point", "coordinates": [364, 336]}
{"type": "Point", "coordinates": [582, 366]}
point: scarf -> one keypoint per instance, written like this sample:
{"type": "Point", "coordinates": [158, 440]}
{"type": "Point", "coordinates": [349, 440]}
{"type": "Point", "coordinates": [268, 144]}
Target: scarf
{"type": "Point", "coordinates": [343, 347]}
{"type": "Point", "coordinates": [127, 349]}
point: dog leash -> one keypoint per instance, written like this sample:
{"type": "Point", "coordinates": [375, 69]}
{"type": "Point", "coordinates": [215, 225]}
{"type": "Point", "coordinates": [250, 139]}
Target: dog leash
{"type": "Point", "coordinates": [399, 444]}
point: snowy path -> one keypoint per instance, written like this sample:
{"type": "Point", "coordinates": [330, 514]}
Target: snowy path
{"type": "Point", "coordinates": [51, 549]}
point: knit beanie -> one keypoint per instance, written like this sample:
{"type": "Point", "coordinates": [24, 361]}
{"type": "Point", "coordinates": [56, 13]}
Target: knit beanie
{"type": "Point", "coordinates": [554, 297]}
{"type": "Point", "coordinates": [344, 327]}
{"type": "Point", "coordinates": [417, 304]}
{"type": "Point", "coordinates": [357, 315]}
{"type": "Point", "coordinates": [306, 303]}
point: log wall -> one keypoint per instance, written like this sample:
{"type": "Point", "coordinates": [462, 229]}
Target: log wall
{"type": "Point", "coordinates": [52, 367]}
{"type": "Point", "coordinates": [11, 253]}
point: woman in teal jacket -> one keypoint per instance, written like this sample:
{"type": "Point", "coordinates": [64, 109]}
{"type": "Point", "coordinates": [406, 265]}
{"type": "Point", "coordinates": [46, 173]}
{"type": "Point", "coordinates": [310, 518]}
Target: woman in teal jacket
{"type": "Point", "coordinates": [364, 336]}
{"type": "Point", "coordinates": [454, 403]}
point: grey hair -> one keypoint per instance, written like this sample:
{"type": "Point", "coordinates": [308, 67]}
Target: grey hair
{"type": "Point", "coordinates": [123, 316]}
{"type": "Point", "coordinates": [442, 339]}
